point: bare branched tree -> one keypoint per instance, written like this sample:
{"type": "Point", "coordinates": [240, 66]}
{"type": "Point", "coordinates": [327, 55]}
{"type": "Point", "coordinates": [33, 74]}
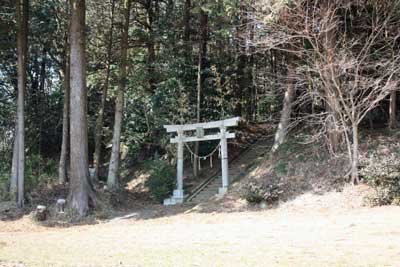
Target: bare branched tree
{"type": "Point", "coordinates": [344, 58]}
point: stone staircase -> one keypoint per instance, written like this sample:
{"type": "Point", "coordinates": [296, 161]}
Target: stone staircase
{"type": "Point", "coordinates": [237, 168]}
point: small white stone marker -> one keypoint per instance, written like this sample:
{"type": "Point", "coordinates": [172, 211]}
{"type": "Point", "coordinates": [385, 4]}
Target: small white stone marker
{"type": "Point", "coordinates": [41, 213]}
{"type": "Point", "coordinates": [61, 205]}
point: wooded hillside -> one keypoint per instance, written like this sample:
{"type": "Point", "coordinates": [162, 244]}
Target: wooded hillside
{"type": "Point", "coordinates": [90, 84]}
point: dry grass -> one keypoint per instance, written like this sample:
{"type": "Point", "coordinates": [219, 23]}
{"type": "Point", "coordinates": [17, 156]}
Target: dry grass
{"type": "Point", "coordinates": [315, 226]}
{"type": "Point", "coordinates": [307, 231]}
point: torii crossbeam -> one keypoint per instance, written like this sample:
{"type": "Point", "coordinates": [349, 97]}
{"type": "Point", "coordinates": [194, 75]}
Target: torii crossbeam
{"type": "Point", "coordinates": [178, 194]}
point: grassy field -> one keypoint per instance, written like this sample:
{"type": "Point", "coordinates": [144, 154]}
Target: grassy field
{"type": "Point", "coordinates": [294, 234]}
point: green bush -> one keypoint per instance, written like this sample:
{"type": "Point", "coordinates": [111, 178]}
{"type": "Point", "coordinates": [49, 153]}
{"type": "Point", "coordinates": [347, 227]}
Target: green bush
{"type": "Point", "coordinates": [4, 184]}
{"type": "Point", "coordinates": [39, 171]}
{"type": "Point", "coordinates": [256, 191]}
{"type": "Point", "coordinates": [383, 174]}
{"type": "Point", "coordinates": [161, 182]}
{"type": "Point", "coordinates": [5, 173]}
{"type": "Point", "coordinates": [281, 168]}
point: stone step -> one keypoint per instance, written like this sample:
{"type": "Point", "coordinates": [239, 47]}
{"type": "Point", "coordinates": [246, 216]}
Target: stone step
{"type": "Point", "coordinates": [212, 186]}
{"type": "Point", "coordinates": [236, 170]}
{"type": "Point", "coordinates": [205, 196]}
{"type": "Point", "coordinates": [202, 198]}
{"type": "Point", "coordinates": [207, 192]}
{"type": "Point", "coordinates": [210, 192]}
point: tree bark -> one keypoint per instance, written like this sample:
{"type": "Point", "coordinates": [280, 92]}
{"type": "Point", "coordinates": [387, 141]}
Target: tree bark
{"type": "Point", "coordinates": [62, 167]}
{"type": "Point", "coordinates": [150, 45]}
{"type": "Point", "coordinates": [80, 188]}
{"type": "Point", "coordinates": [392, 110]}
{"type": "Point", "coordinates": [187, 48]}
{"type": "Point", "coordinates": [243, 68]}
{"type": "Point", "coordinates": [187, 29]}
{"type": "Point", "coordinates": [328, 43]}
{"type": "Point", "coordinates": [247, 53]}
{"type": "Point", "coordinates": [14, 168]}
{"type": "Point", "coordinates": [22, 59]}
{"type": "Point", "coordinates": [18, 163]}
{"type": "Point", "coordinates": [200, 77]}
{"type": "Point", "coordinates": [354, 163]}
{"type": "Point", "coordinates": [42, 76]}
{"type": "Point", "coordinates": [100, 118]}
{"type": "Point", "coordinates": [112, 181]}
{"type": "Point", "coordinates": [281, 132]}
{"type": "Point", "coordinates": [198, 112]}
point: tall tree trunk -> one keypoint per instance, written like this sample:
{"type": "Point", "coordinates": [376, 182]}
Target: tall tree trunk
{"type": "Point", "coordinates": [150, 45]}
{"type": "Point", "coordinates": [328, 43]}
{"type": "Point", "coordinates": [198, 107]}
{"type": "Point", "coordinates": [42, 75]}
{"type": "Point", "coordinates": [243, 82]}
{"type": "Point", "coordinates": [112, 181]}
{"type": "Point", "coordinates": [41, 99]}
{"type": "Point", "coordinates": [14, 168]}
{"type": "Point", "coordinates": [281, 132]}
{"type": "Point", "coordinates": [200, 77]}
{"type": "Point", "coordinates": [392, 110]}
{"type": "Point", "coordinates": [187, 48]}
{"type": "Point", "coordinates": [250, 59]}
{"type": "Point", "coordinates": [62, 166]}
{"type": "Point", "coordinates": [186, 31]}
{"type": "Point", "coordinates": [22, 59]}
{"type": "Point", "coordinates": [100, 118]}
{"type": "Point", "coordinates": [80, 188]}
{"type": "Point", "coordinates": [18, 168]}
{"type": "Point", "coordinates": [354, 161]}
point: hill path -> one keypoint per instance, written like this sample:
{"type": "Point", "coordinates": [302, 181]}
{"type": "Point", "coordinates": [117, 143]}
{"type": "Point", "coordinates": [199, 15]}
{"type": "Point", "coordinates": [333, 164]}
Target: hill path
{"type": "Point", "coordinates": [237, 168]}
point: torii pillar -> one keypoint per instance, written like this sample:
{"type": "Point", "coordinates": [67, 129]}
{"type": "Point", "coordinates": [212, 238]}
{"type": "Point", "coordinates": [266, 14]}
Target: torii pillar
{"type": "Point", "coordinates": [224, 162]}
{"type": "Point", "coordinates": [178, 194]}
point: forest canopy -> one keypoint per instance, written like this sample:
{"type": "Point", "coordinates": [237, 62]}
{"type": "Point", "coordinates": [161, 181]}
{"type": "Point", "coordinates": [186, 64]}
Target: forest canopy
{"type": "Point", "coordinates": [91, 83]}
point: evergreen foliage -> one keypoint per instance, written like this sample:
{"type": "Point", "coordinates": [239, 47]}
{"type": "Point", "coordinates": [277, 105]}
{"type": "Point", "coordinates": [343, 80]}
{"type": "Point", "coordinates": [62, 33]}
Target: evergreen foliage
{"type": "Point", "coordinates": [190, 61]}
{"type": "Point", "coordinates": [162, 180]}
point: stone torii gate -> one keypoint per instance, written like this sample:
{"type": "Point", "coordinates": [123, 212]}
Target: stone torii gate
{"type": "Point", "coordinates": [178, 194]}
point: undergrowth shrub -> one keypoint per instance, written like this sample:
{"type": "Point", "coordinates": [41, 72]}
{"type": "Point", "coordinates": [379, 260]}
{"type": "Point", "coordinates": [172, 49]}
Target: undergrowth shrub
{"type": "Point", "coordinates": [161, 182]}
{"type": "Point", "coordinates": [383, 174]}
{"type": "Point", "coordinates": [269, 190]}
{"type": "Point", "coordinates": [5, 173]}
{"type": "Point", "coordinates": [4, 184]}
{"type": "Point", "coordinates": [40, 171]}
